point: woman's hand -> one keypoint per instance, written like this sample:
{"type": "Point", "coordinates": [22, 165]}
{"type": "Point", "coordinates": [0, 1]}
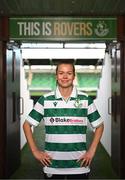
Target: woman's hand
{"type": "Point", "coordinates": [86, 158]}
{"type": "Point", "coordinates": [43, 157]}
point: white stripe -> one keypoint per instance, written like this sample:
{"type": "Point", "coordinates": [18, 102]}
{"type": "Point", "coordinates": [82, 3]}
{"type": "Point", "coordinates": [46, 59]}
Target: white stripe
{"type": "Point", "coordinates": [82, 93]}
{"type": "Point", "coordinates": [39, 108]}
{"type": "Point", "coordinates": [91, 108]}
{"type": "Point", "coordinates": [62, 104]}
{"type": "Point", "coordinates": [55, 121]}
{"type": "Point", "coordinates": [49, 94]}
{"type": "Point", "coordinates": [72, 155]}
{"type": "Point", "coordinates": [80, 170]}
{"type": "Point", "coordinates": [32, 121]}
{"type": "Point", "coordinates": [65, 138]}
{"type": "Point", "coordinates": [97, 122]}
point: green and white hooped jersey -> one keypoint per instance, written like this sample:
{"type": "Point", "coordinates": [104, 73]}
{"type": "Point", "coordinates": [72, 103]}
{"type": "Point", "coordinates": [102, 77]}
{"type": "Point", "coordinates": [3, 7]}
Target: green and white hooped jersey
{"type": "Point", "coordinates": [65, 127]}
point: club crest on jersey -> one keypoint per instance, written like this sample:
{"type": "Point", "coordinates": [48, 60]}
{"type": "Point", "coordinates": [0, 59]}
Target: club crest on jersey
{"type": "Point", "coordinates": [77, 103]}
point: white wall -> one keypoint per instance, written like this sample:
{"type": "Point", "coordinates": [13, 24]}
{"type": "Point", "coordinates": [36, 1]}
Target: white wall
{"type": "Point", "coordinates": [26, 104]}
{"type": "Point", "coordinates": [103, 94]}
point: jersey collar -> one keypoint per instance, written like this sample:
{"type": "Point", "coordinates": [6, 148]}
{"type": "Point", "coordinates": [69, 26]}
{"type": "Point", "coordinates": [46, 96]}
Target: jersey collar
{"type": "Point", "coordinates": [73, 94]}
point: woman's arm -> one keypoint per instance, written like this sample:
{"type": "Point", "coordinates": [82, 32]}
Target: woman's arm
{"type": "Point", "coordinates": [41, 156]}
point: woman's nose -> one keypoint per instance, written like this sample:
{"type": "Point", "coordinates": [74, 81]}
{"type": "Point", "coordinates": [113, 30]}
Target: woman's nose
{"type": "Point", "coordinates": [65, 76]}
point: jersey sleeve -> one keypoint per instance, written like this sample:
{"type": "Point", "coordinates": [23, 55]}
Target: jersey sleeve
{"type": "Point", "coordinates": [93, 114]}
{"type": "Point", "coordinates": [37, 113]}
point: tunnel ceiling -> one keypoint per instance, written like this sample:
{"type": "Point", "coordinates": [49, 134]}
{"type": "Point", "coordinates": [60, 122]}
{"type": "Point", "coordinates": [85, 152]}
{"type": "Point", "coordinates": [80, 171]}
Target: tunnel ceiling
{"type": "Point", "coordinates": [62, 7]}
{"type": "Point", "coordinates": [85, 62]}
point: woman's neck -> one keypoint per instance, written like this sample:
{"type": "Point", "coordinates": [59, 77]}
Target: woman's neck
{"type": "Point", "coordinates": [65, 92]}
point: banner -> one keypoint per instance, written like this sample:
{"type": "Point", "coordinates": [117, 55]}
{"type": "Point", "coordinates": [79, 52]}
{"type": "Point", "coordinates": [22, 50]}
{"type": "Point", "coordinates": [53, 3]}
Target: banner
{"type": "Point", "coordinates": [62, 29]}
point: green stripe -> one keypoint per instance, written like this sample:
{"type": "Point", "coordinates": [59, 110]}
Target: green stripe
{"type": "Point", "coordinates": [47, 98]}
{"type": "Point", "coordinates": [65, 146]}
{"type": "Point", "coordinates": [93, 116]}
{"type": "Point", "coordinates": [65, 129]}
{"type": "Point", "coordinates": [65, 112]}
{"type": "Point", "coordinates": [82, 97]}
{"type": "Point", "coordinates": [50, 98]}
{"type": "Point", "coordinates": [90, 100]}
{"type": "Point", "coordinates": [41, 100]}
{"type": "Point", "coordinates": [64, 164]}
{"type": "Point", "coordinates": [36, 115]}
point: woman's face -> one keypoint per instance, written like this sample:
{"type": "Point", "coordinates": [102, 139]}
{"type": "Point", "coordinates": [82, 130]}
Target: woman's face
{"type": "Point", "coordinates": [65, 75]}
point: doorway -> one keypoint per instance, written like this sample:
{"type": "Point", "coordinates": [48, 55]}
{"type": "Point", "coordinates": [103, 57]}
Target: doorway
{"type": "Point", "coordinates": [45, 60]}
